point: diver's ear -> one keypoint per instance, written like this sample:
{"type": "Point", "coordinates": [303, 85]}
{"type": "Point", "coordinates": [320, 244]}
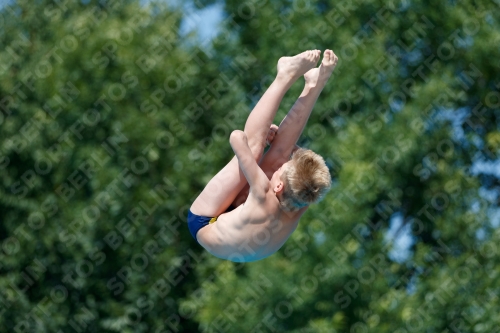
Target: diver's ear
{"type": "Point", "coordinates": [278, 188]}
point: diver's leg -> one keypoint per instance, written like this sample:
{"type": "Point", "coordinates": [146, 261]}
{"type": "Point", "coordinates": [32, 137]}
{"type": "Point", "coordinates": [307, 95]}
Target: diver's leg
{"type": "Point", "coordinates": [294, 122]}
{"type": "Point", "coordinates": [223, 188]}
{"type": "Point", "coordinates": [262, 115]}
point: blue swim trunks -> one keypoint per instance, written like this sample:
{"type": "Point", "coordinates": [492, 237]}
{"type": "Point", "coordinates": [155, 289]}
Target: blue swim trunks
{"type": "Point", "coordinates": [196, 222]}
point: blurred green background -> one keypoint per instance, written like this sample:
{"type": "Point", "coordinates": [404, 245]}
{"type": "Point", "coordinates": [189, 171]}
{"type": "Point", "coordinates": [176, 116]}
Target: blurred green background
{"type": "Point", "coordinates": [115, 114]}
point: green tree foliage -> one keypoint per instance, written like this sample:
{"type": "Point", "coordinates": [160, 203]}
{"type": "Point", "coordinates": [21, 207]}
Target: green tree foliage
{"type": "Point", "coordinates": [112, 122]}
{"type": "Point", "coordinates": [411, 110]}
{"type": "Point", "coordinates": [100, 148]}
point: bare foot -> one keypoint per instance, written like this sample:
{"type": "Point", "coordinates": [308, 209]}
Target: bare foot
{"type": "Point", "coordinates": [291, 68]}
{"type": "Point", "coordinates": [319, 76]}
{"type": "Point", "coordinates": [273, 129]}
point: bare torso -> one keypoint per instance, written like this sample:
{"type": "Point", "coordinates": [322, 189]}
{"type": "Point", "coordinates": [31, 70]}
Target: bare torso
{"type": "Point", "coordinates": [250, 232]}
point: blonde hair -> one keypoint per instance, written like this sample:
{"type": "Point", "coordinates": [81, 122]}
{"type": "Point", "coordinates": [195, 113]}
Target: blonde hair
{"type": "Point", "coordinates": [306, 180]}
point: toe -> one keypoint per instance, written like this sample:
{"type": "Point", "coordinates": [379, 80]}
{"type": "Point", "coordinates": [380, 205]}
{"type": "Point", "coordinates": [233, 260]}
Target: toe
{"type": "Point", "coordinates": [317, 54]}
{"type": "Point", "coordinates": [334, 58]}
{"type": "Point", "coordinates": [326, 56]}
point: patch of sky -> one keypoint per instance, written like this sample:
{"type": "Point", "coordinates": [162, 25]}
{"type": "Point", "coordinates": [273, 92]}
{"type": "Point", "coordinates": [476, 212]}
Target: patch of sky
{"type": "Point", "coordinates": [481, 234]}
{"type": "Point", "coordinates": [204, 23]}
{"type": "Point", "coordinates": [399, 238]}
{"type": "Point", "coordinates": [487, 167]}
{"type": "Point", "coordinates": [396, 104]}
{"type": "Point", "coordinates": [4, 3]}
{"type": "Point", "coordinates": [319, 237]}
{"type": "Point", "coordinates": [6, 9]}
{"type": "Point", "coordinates": [495, 218]}
{"type": "Point", "coordinates": [490, 168]}
{"type": "Point", "coordinates": [456, 117]}
{"type": "Point", "coordinates": [480, 165]}
{"type": "Point", "coordinates": [414, 58]}
{"type": "Point", "coordinates": [411, 288]}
